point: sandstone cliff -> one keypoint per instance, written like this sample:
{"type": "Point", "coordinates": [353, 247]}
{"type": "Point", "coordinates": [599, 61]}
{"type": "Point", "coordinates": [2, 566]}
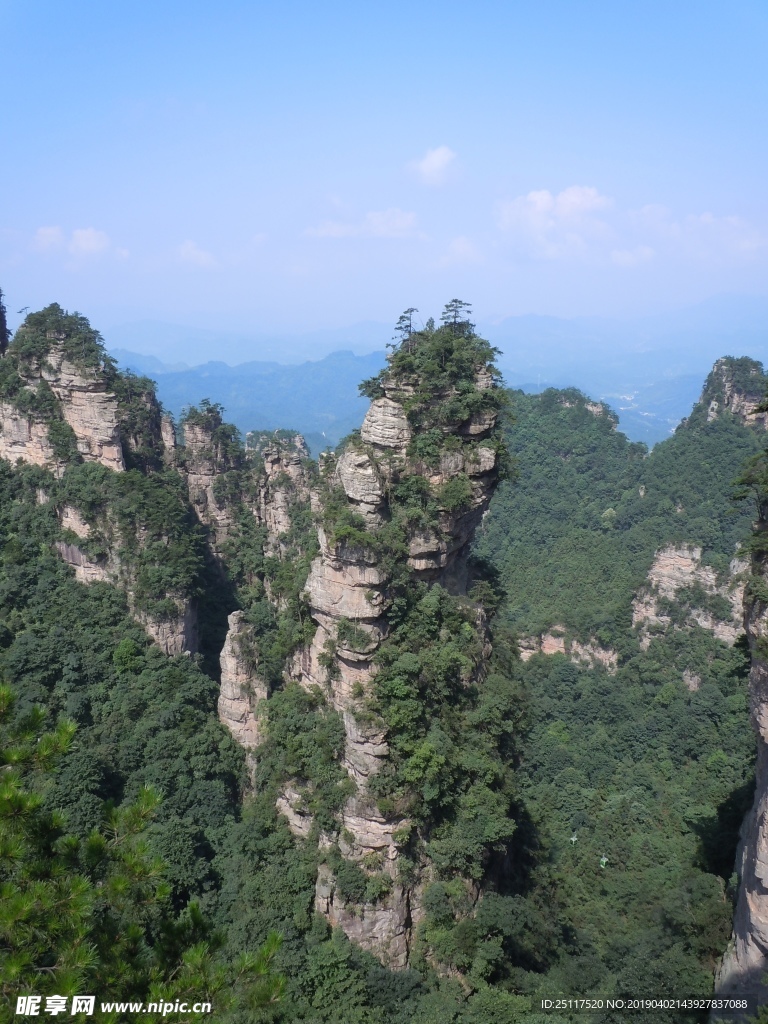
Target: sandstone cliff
{"type": "Point", "coordinates": [54, 390]}
{"type": "Point", "coordinates": [241, 688]}
{"type": "Point", "coordinates": [736, 386]}
{"type": "Point", "coordinates": [435, 482]}
{"type": "Point", "coordinates": [745, 964]}
{"type": "Point", "coordinates": [678, 573]}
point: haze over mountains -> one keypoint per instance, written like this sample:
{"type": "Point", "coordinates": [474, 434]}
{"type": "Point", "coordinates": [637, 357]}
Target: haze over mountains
{"type": "Point", "coordinates": [649, 369]}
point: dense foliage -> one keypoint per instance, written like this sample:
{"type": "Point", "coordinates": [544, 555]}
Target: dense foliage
{"type": "Point", "coordinates": [640, 768]}
{"type": "Point", "coordinates": [575, 532]}
{"type": "Point", "coordinates": [92, 913]}
{"type": "Point", "coordinates": [599, 811]}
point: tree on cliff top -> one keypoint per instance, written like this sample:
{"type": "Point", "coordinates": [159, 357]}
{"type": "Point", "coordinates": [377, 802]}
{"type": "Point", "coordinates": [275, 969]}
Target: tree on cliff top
{"type": "Point", "coordinates": [5, 334]}
{"type": "Point", "coordinates": [80, 343]}
{"type": "Point", "coordinates": [438, 360]}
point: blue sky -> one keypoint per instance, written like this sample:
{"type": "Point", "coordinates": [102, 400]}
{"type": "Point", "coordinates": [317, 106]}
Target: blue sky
{"type": "Point", "coordinates": [255, 166]}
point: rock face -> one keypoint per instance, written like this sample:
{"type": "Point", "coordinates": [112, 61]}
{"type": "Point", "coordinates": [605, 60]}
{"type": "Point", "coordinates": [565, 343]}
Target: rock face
{"type": "Point", "coordinates": [88, 407]}
{"type": "Point", "coordinates": [736, 386]}
{"type": "Point", "coordinates": [274, 486]}
{"type": "Point", "coordinates": [241, 688]}
{"type": "Point", "coordinates": [556, 641]}
{"type": "Point", "coordinates": [174, 634]}
{"type": "Point", "coordinates": [348, 596]}
{"type": "Point", "coordinates": [23, 437]}
{"type": "Point", "coordinates": [282, 483]}
{"type": "Point", "coordinates": [84, 402]}
{"type": "Point", "coordinates": [279, 482]}
{"type": "Point", "coordinates": [745, 963]}
{"type": "Point", "coordinates": [205, 461]}
{"type": "Point", "coordinates": [678, 568]}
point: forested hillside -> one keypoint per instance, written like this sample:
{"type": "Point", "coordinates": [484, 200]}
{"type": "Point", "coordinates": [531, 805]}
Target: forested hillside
{"type": "Point", "coordinates": [542, 756]}
{"type": "Point", "coordinates": [645, 760]}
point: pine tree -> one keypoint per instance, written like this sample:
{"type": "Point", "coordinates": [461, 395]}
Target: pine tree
{"type": "Point", "coordinates": [5, 334]}
{"type": "Point", "coordinates": [456, 316]}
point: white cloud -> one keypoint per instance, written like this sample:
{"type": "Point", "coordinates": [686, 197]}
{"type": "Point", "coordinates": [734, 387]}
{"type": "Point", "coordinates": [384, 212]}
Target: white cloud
{"type": "Point", "coordinates": [632, 257]}
{"type": "Point", "coordinates": [88, 242]}
{"type": "Point", "coordinates": [47, 239]}
{"type": "Point", "coordinates": [433, 165]}
{"type": "Point", "coordinates": [702, 235]}
{"type": "Point", "coordinates": [461, 250]}
{"type": "Point", "coordinates": [581, 224]}
{"type": "Point", "coordinates": [555, 226]}
{"type": "Point", "coordinates": [391, 223]}
{"type": "Point", "coordinates": [190, 252]}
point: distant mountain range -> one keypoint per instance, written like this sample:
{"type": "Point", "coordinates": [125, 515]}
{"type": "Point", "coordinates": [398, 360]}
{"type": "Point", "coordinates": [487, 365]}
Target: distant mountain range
{"type": "Point", "coordinates": [320, 399]}
{"type": "Point", "coordinates": [650, 370]}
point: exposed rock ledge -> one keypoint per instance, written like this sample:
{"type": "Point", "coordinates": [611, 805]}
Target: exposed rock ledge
{"type": "Point", "coordinates": [675, 568]}
{"type": "Point", "coordinates": [555, 641]}
{"type": "Point", "coordinates": [175, 635]}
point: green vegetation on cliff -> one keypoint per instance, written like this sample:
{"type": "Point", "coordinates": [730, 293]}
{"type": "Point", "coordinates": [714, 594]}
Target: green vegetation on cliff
{"type": "Point", "coordinates": [599, 811]}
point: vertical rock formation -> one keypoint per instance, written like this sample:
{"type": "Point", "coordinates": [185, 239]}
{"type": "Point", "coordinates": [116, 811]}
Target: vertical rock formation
{"type": "Point", "coordinates": [274, 484]}
{"type": "Point", "coordinates": [745, 963]}
{"type": "Point", "coordinates": [282, 482]}
{"type": "Point", "coordinates": [448, 467]}
{"type": "Point", "coordinates": [209, 454]}
{"type": "Point", "coordinates": [241, 688]}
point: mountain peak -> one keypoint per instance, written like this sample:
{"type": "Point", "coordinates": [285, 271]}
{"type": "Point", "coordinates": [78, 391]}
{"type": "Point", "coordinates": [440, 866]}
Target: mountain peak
{"type": "Point", "coordinates": [737, 386]}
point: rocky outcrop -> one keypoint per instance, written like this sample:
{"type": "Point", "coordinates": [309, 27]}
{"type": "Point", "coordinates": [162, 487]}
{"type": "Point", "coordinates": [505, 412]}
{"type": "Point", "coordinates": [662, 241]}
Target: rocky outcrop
{"type": "Point", "coordinates": [205, 462]}
{"type": "Point", "coordinates": [736, 386]}
{"type": "Point", "coordinates": [282, 483]}
{"type": "Point", "coordinates": [349, 600]}
{"type": "Point", "coordinates": [745, 964]}
{"type": "Point", "coordinates": [384, 927]}
{"type": "Point", "coordinates": [241, 688]}
{"type": "Point", "coordinates": [88, 406]}
{"type": "Point", "coordinates": [87, 570]}
{"type": "Point", "coordinates": [173, 634]}
{"type": "Point", "coordinates": [26, 438]}
{"type": "Point", "coordinates": [679, 568]}
{"type": "Point", "coordinates": [82, 398]}
{"type": "Point", "coordinates": [386, 427]}
{"type": "Point", "coordinates": [557, 641]}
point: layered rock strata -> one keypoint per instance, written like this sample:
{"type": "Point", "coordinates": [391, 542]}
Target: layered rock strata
{"type": "Point", "coordinates": [89, 407]}
{"type": "Point", "coordinates": [348, 596]}
{"type": "Point", "coordinates": [26, 438]}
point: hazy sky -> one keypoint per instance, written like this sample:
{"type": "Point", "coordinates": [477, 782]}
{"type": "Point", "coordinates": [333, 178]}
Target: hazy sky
{"type": "Point", "coordinates": [264, 166]}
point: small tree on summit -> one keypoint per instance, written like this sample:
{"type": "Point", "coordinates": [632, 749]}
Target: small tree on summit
{"type": "Point", "coordinates": [456, 316]}
{"type": "Point", "coordinates": [404, 326]}
{"type": "Point", "coordinates": [5, 334]}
